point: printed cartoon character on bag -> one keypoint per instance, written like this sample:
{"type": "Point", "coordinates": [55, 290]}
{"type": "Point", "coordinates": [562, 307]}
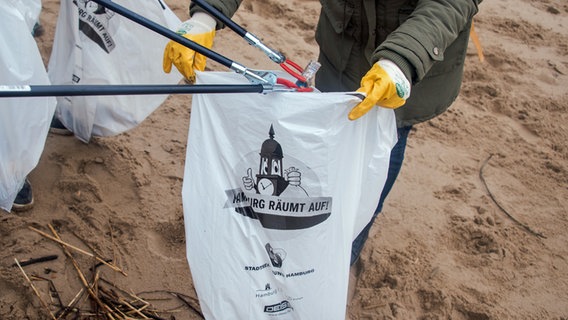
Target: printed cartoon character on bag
{"type": "Point", "coordinates": [270, 178]}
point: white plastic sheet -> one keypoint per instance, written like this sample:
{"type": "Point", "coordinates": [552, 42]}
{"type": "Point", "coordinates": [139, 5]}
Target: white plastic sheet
{"type": "Point", "coordinates": [94, 45]}
{"type": "Point", "coordinates": [276, 187]}
{"type": "Point", "coordinates": [24, 122]}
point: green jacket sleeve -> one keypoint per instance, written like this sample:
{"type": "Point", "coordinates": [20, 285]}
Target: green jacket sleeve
{"type": "Point", "coordinates": [422, 39]}
{"type": "Point", "coordinates": [227, 7]}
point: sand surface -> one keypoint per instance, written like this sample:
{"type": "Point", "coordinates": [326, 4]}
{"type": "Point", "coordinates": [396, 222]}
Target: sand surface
{"type": "Point", "coordinates": [475, 227]}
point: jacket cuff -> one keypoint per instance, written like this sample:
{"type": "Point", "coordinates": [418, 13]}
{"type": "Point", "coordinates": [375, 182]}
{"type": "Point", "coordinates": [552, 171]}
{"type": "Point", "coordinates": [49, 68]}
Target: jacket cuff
{"type": "Point", "coordinates": [400, 61]}
{"type": "Point", "coordinates": [193, 9]}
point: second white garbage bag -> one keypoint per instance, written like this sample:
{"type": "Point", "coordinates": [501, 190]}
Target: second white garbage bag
{"type": "Point", "coordinates": [276, 187]}
{"type": "Point", "coordinates": [24, 122]}
{"type": "Point", "coordinates": [94, 45]}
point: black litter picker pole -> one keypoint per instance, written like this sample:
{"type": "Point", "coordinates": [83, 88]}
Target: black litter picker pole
{"type": "Point", "coordinates": [102, 90]}
{"type": "Point", "coordinates": [266, 78]}
{"type": "Point", "coordinates": [249, 37]}
{"type": "Point", "coordinates": [289, 66]}
{"type": "Point", "coordinates": [259, 81]}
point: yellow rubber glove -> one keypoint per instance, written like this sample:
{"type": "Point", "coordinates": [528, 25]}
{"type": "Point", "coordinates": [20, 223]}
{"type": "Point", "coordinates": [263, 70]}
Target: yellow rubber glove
{"type": "Point", "coordinates": [200, 28]}
{"type": "Point", "coordinates": [384, 85]}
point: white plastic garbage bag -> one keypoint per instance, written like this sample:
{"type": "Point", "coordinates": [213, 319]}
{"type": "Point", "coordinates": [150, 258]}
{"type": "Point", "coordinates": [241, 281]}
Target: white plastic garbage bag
{"type": "Point", "coordinates": [276, 187]}
{"type": "Point", "coordinates": [24, 122]}
{"type": "Point", "coordinates": [94, 45]}
{"type": "Point", "coordinates": [30, 10]}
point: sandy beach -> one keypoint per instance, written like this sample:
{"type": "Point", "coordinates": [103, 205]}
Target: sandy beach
{"type": "Point", "coordinates": [474, 228]}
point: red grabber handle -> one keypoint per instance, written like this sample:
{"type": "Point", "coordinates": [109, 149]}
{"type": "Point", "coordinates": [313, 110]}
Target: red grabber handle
{"type": "Point", "coordinates": [293, 73]}
{"type": "Point", "coordinates": [292, 85]}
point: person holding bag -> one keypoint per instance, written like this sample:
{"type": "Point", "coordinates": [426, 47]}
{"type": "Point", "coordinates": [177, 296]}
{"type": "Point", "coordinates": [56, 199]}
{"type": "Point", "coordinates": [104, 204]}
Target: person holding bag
{"type": "Point", "coordinates": [402, 54]}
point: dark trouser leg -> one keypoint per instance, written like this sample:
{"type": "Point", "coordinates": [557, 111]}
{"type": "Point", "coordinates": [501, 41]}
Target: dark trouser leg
{"type": "Point", "coordinates": [396, 159]}
{"type": "Point", "coordinates": [330, 79]}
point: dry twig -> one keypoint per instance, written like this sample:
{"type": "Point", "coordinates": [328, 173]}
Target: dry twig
{"type": "Point", "coordinates": [71, 307]}
{"type": "Point", "coordinates": [108, 301]}
{"type": "Point", "coordinates": [53, 293]}
{"type": "Point", "coordinates": [95, 298]}
{"type": "Point", "coordinates": [35, 290]}
{"type": "Point", "coordinates": [36, 260]}
{"type": "Point", "coordinates": [524, 226]}
{"type": "Point", "coordinates": [67, 245]}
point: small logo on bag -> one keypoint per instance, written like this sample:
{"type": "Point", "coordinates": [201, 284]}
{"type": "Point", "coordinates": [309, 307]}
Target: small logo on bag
{"type": "Point", "coordinates": [279, 307]}
{"type": "Point", "coordinates": [276, 255]}
{"type": "Point", "coordinates": [276, 196]}
{"type": "Point", "coordinates": [267, 292]}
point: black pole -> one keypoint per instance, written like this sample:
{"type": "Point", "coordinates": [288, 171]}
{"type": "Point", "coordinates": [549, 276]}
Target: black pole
{"type": "Point", "coordinates": [220, 16]}
{"type": "Point", "coordinates": [106, 90]}
{"type": "Point", "coordinates": [165, 32]}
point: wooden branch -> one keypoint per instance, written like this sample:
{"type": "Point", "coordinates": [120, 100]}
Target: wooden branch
{"type": "Point", "coordinates": [36, 260]}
